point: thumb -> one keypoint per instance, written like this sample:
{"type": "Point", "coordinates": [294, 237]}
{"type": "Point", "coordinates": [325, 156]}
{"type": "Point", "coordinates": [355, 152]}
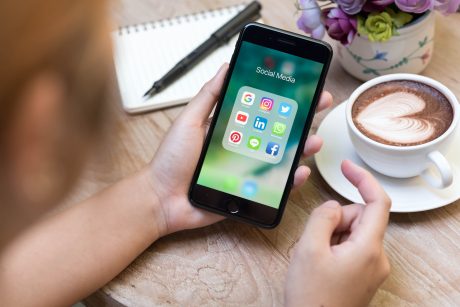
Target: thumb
{"type": "Point", "coordinates": [321, 226]}
{"type": "Point", "coordinates": [201, 105]}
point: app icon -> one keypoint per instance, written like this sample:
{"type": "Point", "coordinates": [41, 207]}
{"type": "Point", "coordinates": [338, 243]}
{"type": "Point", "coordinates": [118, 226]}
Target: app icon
{"type": "Point", "coordinates": [260, 123]}
{"type": "Point", "coordinates": [269, 62]}
{"type": "Point", "coordinates": [284, 109]}
{"type": "Point", "coordinates": [248, 98]}
{"type": "Point", "coordinates": [235, 137]}
{"type": "Point", "coordinates": [279, 129]}
{"type": "Point", "coordinates": [241, 117]}
{"type": "Point", "coordinates": [249, 188]}
{"type": "Point", "coordinates": [254, 142]}
{"type": "Point", "coordinates": [266, 104]}
{"type": "Point", "coordinates": [272, 149]}
{"type": "Point", "coordinates": [231, 183]}
{"type": "Point", "coordinates": [287, 68]}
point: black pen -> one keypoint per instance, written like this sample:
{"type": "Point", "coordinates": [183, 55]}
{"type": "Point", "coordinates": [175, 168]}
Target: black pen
{"type": "Point", "coordinates": [218, 38]}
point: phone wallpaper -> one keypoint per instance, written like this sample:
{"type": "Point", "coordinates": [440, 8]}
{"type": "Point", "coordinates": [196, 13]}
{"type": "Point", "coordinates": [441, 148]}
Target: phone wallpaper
{"type": "Point", "coordinates": [260, 124]}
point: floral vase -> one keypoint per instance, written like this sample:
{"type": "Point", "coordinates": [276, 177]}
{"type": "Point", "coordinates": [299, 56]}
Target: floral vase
{"type": "Point", "coordinates": [408, 52]}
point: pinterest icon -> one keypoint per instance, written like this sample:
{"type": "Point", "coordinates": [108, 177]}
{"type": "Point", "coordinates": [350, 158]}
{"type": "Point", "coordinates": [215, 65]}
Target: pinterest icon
{"type": "Point", "coordinates": [235, 137]}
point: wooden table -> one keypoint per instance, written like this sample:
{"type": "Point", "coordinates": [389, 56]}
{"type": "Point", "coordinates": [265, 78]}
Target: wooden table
{"type": "Point", "coordinates": [235, 264]}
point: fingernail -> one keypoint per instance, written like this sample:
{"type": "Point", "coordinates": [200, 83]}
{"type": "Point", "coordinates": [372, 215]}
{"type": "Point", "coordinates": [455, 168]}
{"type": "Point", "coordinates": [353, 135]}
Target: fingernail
{"type": "Point", "coordinates": [221, 68]}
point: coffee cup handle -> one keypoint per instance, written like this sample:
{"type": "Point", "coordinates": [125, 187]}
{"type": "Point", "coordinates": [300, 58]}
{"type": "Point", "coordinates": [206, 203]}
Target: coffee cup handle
{"type": "Point", "coordinates": [444, 169]}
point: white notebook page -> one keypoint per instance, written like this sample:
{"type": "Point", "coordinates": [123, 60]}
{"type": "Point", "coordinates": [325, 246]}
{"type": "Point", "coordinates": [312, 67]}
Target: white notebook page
{"type": "Point", "coordinates": [144, 53]}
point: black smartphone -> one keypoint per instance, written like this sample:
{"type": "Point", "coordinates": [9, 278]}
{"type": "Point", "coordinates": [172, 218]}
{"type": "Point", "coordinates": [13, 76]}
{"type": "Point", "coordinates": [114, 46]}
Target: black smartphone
{"type": "Point", "coordinates": [260, 125]}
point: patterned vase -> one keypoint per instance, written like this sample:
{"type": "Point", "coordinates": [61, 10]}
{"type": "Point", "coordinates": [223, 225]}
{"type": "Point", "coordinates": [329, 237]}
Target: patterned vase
{"type": "Point", "coordinates": [408, 52]}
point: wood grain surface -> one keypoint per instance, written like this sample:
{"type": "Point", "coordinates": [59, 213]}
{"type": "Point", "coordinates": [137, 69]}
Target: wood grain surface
{"type": "Point", "coordinates": [234, 264]}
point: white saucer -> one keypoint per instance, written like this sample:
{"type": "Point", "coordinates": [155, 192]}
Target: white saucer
{"type": "Point", "coordinates": [407, 195]}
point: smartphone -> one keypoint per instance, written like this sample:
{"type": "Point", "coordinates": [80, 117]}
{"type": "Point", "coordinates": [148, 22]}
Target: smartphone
{"type": "Point", "coordinates": [260, 125]}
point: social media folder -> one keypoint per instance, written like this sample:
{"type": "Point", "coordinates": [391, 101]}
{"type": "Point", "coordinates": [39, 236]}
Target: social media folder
{"type": "Point", "coordinates": [260, 124]}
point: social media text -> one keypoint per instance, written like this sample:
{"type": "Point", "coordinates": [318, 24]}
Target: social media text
{"type": "Point", "coordinates": [274, 74]}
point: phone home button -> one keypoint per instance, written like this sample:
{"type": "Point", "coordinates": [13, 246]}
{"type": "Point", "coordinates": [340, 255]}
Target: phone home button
{"type": "Point", "coordinates": [233, 207]}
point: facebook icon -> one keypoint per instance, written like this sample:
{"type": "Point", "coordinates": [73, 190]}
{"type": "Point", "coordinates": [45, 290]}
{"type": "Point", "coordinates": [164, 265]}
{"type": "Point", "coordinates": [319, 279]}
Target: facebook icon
{"type": "Point", "coordinates": [272, 149]}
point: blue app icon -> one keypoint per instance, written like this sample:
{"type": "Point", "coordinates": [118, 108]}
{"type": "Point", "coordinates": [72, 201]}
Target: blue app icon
{"type": "Point", "coordinates": [284, 109]}
{"type": "Point", "coordinates": [260, 123]}
{"type": "Point", "coordinates": [249, 188]}
{"type": "Point", "coordinates": [272, 149]}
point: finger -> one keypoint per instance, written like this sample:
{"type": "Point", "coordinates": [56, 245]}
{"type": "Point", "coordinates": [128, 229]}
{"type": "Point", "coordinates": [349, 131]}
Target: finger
{"type": "Point", "coordinates": [351, 215]}
{"type": "Point", "coordinates": [312, 145]}
{"type": "Point", "coordinates": [301, 175]}
{"type": "Point", "coordinates": [320, 227]}
{"type": "Point", "coordinates": [207, 124]}
{"type": "Point", "coordinates": [195, 218]}
{"type": "Point", "coordinates": [204, 218]}
{"type": "Point", "coordinates": [374, 219]}
{"type": "Point", "coordinates": [201, 105]}
{"type": "Point", "coordinates": [350, 218]}
{"type": "Point", "coordinates": [325, 101]}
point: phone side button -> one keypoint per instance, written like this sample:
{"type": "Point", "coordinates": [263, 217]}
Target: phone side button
{"type": "Point", "coordinates": [233, 207]}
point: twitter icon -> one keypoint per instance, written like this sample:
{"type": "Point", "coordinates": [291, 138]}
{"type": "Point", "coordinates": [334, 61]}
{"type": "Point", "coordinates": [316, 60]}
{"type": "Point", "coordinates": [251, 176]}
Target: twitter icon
{"type": "Point", "coordinates": [284, 109]}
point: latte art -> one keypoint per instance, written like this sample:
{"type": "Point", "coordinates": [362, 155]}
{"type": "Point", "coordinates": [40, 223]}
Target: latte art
{"type": "Point", "coordinates": [402, 113]}
{"type": "Point", "coordinates": [389, 118]}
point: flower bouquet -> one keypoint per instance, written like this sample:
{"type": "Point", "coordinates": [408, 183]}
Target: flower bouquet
{"type": "Point", "coordinates": [376, 36]}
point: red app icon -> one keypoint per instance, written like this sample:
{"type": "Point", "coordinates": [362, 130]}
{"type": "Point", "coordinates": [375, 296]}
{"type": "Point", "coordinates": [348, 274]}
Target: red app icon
{"type": "Point", "coordinates": [241, 117]}
{"type": "Point", "coordinates": [235, 137]}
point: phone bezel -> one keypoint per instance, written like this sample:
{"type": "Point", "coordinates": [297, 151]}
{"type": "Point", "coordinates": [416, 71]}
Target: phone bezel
{"type": "Point", "coordinates": [252, 212]}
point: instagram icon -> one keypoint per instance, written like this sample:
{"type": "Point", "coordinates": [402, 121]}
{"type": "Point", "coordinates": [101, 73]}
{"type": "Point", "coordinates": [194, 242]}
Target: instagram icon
{"type": "Point", "coordinates": [266, 104]}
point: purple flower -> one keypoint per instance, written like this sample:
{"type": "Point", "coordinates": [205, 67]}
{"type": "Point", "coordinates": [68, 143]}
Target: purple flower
{"type": "Point", "coordinates": [415, 6]}
{"type": "Point", "coordinates": [310, 19]}
{"type": "Point", "coordinates": [340, 26]}
{"type": "Point", "coordinates": [376, 5]}
{"type": "Point", "coordinates": [351, 7]}
{"type": "Point", "coordinates": [446, 6]}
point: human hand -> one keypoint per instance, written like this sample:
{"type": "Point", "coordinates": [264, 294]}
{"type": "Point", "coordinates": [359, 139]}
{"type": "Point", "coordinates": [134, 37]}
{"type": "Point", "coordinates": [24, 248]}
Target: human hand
{"type": "Point", "coordinates": [172, 168]}
{"type": "Point", "coordinates": [340, 260]}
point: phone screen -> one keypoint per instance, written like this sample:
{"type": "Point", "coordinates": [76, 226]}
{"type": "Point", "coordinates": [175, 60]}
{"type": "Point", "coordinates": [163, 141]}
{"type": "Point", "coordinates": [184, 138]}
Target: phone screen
{"type": "Point", "coordinates": [260, 124]}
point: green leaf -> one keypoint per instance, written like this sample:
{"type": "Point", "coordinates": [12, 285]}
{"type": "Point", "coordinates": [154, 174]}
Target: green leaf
{"type": "Point", "coordinates": [400, 18]}
{"type": "Point", "coordinates": [361, 28]}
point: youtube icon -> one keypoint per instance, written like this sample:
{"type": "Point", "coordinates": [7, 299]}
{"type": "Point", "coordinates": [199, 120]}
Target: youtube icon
{"type": "Point", "coordinates": [241, 117]}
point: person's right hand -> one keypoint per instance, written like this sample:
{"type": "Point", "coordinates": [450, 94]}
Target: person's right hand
{"type": "Point", "coordinates": [340, 260]}
{"type": "Point", "coordinates": [170, 173]}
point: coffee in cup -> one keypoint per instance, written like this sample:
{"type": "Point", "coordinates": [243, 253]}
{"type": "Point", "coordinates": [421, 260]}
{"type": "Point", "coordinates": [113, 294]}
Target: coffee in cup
{"type": "Point", "coordinates": [402, 124]}
{"type": "Point", "coordinates": [402, 113]}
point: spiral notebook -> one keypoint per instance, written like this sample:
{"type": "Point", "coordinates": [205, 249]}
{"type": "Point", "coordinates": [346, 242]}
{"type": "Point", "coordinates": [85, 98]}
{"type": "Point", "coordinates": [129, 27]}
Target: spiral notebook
{"type": "Point", "coordinates": [145, 52]}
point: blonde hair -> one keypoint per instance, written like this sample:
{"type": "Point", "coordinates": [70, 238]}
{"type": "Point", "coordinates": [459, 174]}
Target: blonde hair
{"type": "Point", "coordinates": [70, 39]}
{"type": "Point", "coordinates": [62, 36]}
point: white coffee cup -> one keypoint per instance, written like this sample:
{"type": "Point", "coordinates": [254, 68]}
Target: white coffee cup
{"type": "Point", "coordinates": [406, 161]}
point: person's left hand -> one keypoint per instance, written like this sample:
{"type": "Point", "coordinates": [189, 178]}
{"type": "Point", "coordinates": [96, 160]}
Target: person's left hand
{"type": "Point", "coordinates": [175, 161]}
